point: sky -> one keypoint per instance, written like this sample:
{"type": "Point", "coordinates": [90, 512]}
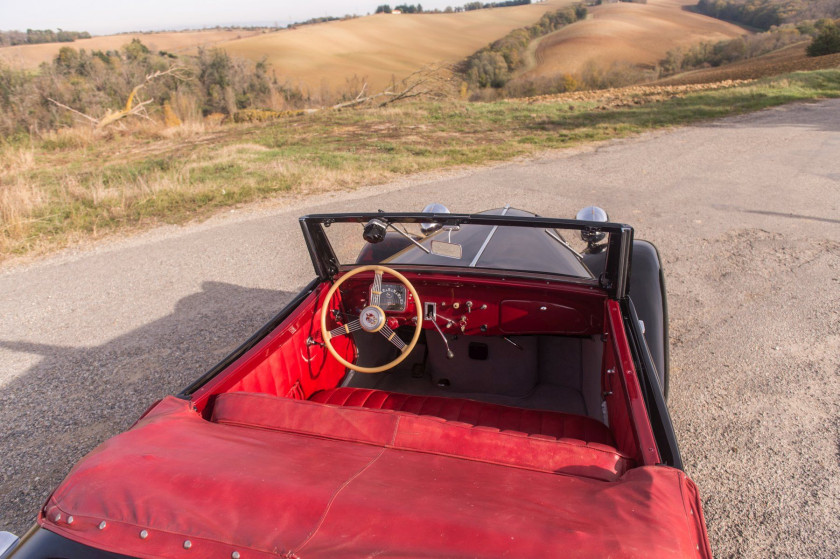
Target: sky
{"type": "Point", "coordinates": [102, 17]}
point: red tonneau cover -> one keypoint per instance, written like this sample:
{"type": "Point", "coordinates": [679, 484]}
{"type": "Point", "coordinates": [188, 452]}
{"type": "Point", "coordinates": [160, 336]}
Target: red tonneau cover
{"type": "Point", "coordinates": [176, 478]}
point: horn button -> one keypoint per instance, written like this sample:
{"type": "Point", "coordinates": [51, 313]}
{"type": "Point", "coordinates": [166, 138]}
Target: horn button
{"type": "Point", "coordinates": [372, 319]}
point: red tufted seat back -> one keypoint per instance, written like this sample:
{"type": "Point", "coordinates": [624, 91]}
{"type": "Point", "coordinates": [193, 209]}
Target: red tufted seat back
{"type": "Point", "coordinates": [532, 422]}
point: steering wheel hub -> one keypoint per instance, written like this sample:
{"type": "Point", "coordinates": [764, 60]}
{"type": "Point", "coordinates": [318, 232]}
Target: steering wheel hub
{"type": "Point", "coordinates": [372, 319]}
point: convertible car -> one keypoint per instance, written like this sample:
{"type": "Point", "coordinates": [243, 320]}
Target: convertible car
{"type": "Point", "coordinates": [449, 385]}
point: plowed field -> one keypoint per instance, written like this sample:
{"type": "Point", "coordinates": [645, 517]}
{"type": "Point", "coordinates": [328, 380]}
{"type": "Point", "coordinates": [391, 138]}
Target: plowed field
{"type": "Point", "coordinates": [626, 32]}
{"type": "Point", "coordinates": [383, 46]}
{"type": "Point", "coordinates": [782, 61]}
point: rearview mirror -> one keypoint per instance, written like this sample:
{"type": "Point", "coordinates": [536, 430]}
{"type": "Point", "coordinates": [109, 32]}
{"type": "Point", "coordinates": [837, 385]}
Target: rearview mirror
{"type": "Point", "coordinates": [448, 250]}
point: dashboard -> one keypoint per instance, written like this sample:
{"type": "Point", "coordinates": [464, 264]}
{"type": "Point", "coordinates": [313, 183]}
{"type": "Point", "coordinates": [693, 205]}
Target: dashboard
{"type": "Point", "coordinates": [485, 306]}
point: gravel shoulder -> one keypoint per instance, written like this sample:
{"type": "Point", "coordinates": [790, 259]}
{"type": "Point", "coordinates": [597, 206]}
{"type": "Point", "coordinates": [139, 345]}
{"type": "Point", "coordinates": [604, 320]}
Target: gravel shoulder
{"type": "Point", "coordinates": [745, 212]}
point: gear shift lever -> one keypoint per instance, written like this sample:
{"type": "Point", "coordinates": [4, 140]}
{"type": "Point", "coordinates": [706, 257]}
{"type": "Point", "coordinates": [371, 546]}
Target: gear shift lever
{"type": "Point", "coordinates": [430, 314]}
{"type": "Point", "coordinates": [449, 354]}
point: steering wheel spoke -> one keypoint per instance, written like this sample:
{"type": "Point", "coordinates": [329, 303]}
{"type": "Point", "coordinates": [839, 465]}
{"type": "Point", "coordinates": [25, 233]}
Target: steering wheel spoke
{"type": "Point", "coordinates": [376, 288]}
{"type": "Point", "coordinates": [392, 337]}
{"type": "Point", "coordinates": [345, 329]}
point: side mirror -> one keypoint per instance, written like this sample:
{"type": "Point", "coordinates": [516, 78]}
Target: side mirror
{"type": "Point", "coordinates": [434, 208]}
{"type": "Point", "coordinates": [592, 213]}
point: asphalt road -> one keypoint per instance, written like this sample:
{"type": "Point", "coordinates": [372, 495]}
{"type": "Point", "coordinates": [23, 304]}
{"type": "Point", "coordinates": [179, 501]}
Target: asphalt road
{"type": "Point", "coordinates": [746, 214]}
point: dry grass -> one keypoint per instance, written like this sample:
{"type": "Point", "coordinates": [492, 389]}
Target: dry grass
{"type": "Point", "coordinates": [383, 46]}
{"type": "Point", "coordinates": [625, 32]}
{"type": "Point", "coordinates": [77, 184]}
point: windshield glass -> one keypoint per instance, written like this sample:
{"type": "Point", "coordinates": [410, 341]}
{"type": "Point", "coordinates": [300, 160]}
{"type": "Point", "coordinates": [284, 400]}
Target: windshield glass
{"type": "Point", "coordinates": [498, 247]}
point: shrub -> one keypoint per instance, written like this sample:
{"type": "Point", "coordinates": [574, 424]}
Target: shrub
{"type": "Point", "coordinates": [489, 69]}
{"type": "Point", "coordinates": [725, 52]}
{"type": "Point", "coordinates": [494, 65]}
{"type": "Point", "coordinates": [94, 83]}
{"type": "Point", "coordinates": [826, 42]}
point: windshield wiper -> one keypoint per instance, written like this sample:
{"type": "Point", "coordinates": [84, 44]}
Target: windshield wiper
{"type": "Point", "coordinates": [560, 240]}
{"type": "Point", "coordinates": [410, 238]}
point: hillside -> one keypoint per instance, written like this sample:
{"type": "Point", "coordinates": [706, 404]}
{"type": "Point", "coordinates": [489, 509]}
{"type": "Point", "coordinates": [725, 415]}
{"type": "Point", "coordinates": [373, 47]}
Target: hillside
{"type": "Point", "coordinates": [30, 56]}
{"type": "Point", "coordinates": [789, 59]}
{"type": "Point", "coordinates": [384, 45]}
{"type": "Point", "coordinates": [626, 32]}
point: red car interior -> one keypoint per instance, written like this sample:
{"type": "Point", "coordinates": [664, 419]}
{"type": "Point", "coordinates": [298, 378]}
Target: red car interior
{"type": "Point", "coordinates": [284, 364]}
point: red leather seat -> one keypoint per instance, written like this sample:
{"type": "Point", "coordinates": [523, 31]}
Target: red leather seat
{"type": "Point", "coordinates": [532, 422]}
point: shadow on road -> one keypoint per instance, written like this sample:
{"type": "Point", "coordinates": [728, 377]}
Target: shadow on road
{"type": "Point", "coordinates": [75, 398]}
{"type": "Point", "coordinates": [729, 207]}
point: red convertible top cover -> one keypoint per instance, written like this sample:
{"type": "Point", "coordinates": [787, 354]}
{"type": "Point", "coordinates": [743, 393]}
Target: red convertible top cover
{"type": "Point", "coordinates": [178, 485]}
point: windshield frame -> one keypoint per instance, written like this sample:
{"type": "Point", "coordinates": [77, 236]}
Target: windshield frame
{"type": "Point", "coordinates": [614, 280]}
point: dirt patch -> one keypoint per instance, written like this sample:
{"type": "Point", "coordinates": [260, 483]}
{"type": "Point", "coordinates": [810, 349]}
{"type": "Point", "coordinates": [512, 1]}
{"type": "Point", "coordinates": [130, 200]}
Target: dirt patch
{"type": "Point", "coordinates": [632, 95]}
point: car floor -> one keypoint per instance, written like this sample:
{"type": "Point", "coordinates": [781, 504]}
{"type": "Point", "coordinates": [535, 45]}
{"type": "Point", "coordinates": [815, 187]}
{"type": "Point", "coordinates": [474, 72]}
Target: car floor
{"type": "Point", "coordinates": [534, 372]}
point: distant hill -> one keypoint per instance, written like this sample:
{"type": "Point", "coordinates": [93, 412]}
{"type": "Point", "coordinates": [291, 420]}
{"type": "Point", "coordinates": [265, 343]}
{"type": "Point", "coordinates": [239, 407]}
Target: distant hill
{"type": "Point", "coordinates": [626, 32]}
{"type": "Point", "coordinates": [383, 46]}
{"type": "Point", "coordinates": [30, 56]}
{"type": "Point", "coordinates": [764, 14]}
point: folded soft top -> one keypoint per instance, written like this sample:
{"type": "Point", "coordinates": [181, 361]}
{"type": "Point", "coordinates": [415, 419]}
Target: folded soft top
{"type": "Point", "coordinates": [177, 477]}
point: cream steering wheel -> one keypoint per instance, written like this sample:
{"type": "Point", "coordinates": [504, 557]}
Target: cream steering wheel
{"type": "Point", "coordinates": [372, 319]}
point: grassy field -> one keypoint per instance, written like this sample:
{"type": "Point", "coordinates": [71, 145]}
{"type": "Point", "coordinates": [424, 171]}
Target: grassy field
{"type": "Point", "coordinates": [76, 185]}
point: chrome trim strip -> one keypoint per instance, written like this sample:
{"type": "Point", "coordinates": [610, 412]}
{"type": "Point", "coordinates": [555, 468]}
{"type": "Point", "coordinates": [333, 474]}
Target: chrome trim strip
{"type": "Point", "coordinates": [7, 542]}
{"type": "Point", "coordinates": [487, 240]}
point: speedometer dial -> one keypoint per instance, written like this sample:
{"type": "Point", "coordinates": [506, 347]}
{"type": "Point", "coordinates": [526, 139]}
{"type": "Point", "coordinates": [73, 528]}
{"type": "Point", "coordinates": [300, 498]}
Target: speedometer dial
{"type": "Point", "coordinates": [392, 297]}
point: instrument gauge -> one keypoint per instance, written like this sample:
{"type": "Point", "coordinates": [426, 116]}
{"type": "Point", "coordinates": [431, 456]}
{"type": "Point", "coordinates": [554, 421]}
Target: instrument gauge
{"type": "Point", "coordinates": [393, 297]}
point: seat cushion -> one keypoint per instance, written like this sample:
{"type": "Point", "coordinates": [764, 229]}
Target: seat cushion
{"type": "Point", "coordinates": [532, 422]}
{"type": "Point", "coordinates": [401, 431]}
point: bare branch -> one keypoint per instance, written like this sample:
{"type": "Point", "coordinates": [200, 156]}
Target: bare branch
{"type": "Point", "coordinates": [131, 108]}
{"type": "Point", "coordinates": [431, 80]}
{"type": "Point", "coordinates": [74, 111]}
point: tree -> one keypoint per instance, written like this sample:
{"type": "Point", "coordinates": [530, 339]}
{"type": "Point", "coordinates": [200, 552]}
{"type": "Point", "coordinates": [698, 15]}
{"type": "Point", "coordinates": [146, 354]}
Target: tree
{"type": "Point", "coordinates": [135, 50]}
{"type": "Point", "coordinates": [383, 9]}
{"type": "Point", "coordinates": [827, 42]}
{"type": "Point", "coordinates": [488, 69]}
